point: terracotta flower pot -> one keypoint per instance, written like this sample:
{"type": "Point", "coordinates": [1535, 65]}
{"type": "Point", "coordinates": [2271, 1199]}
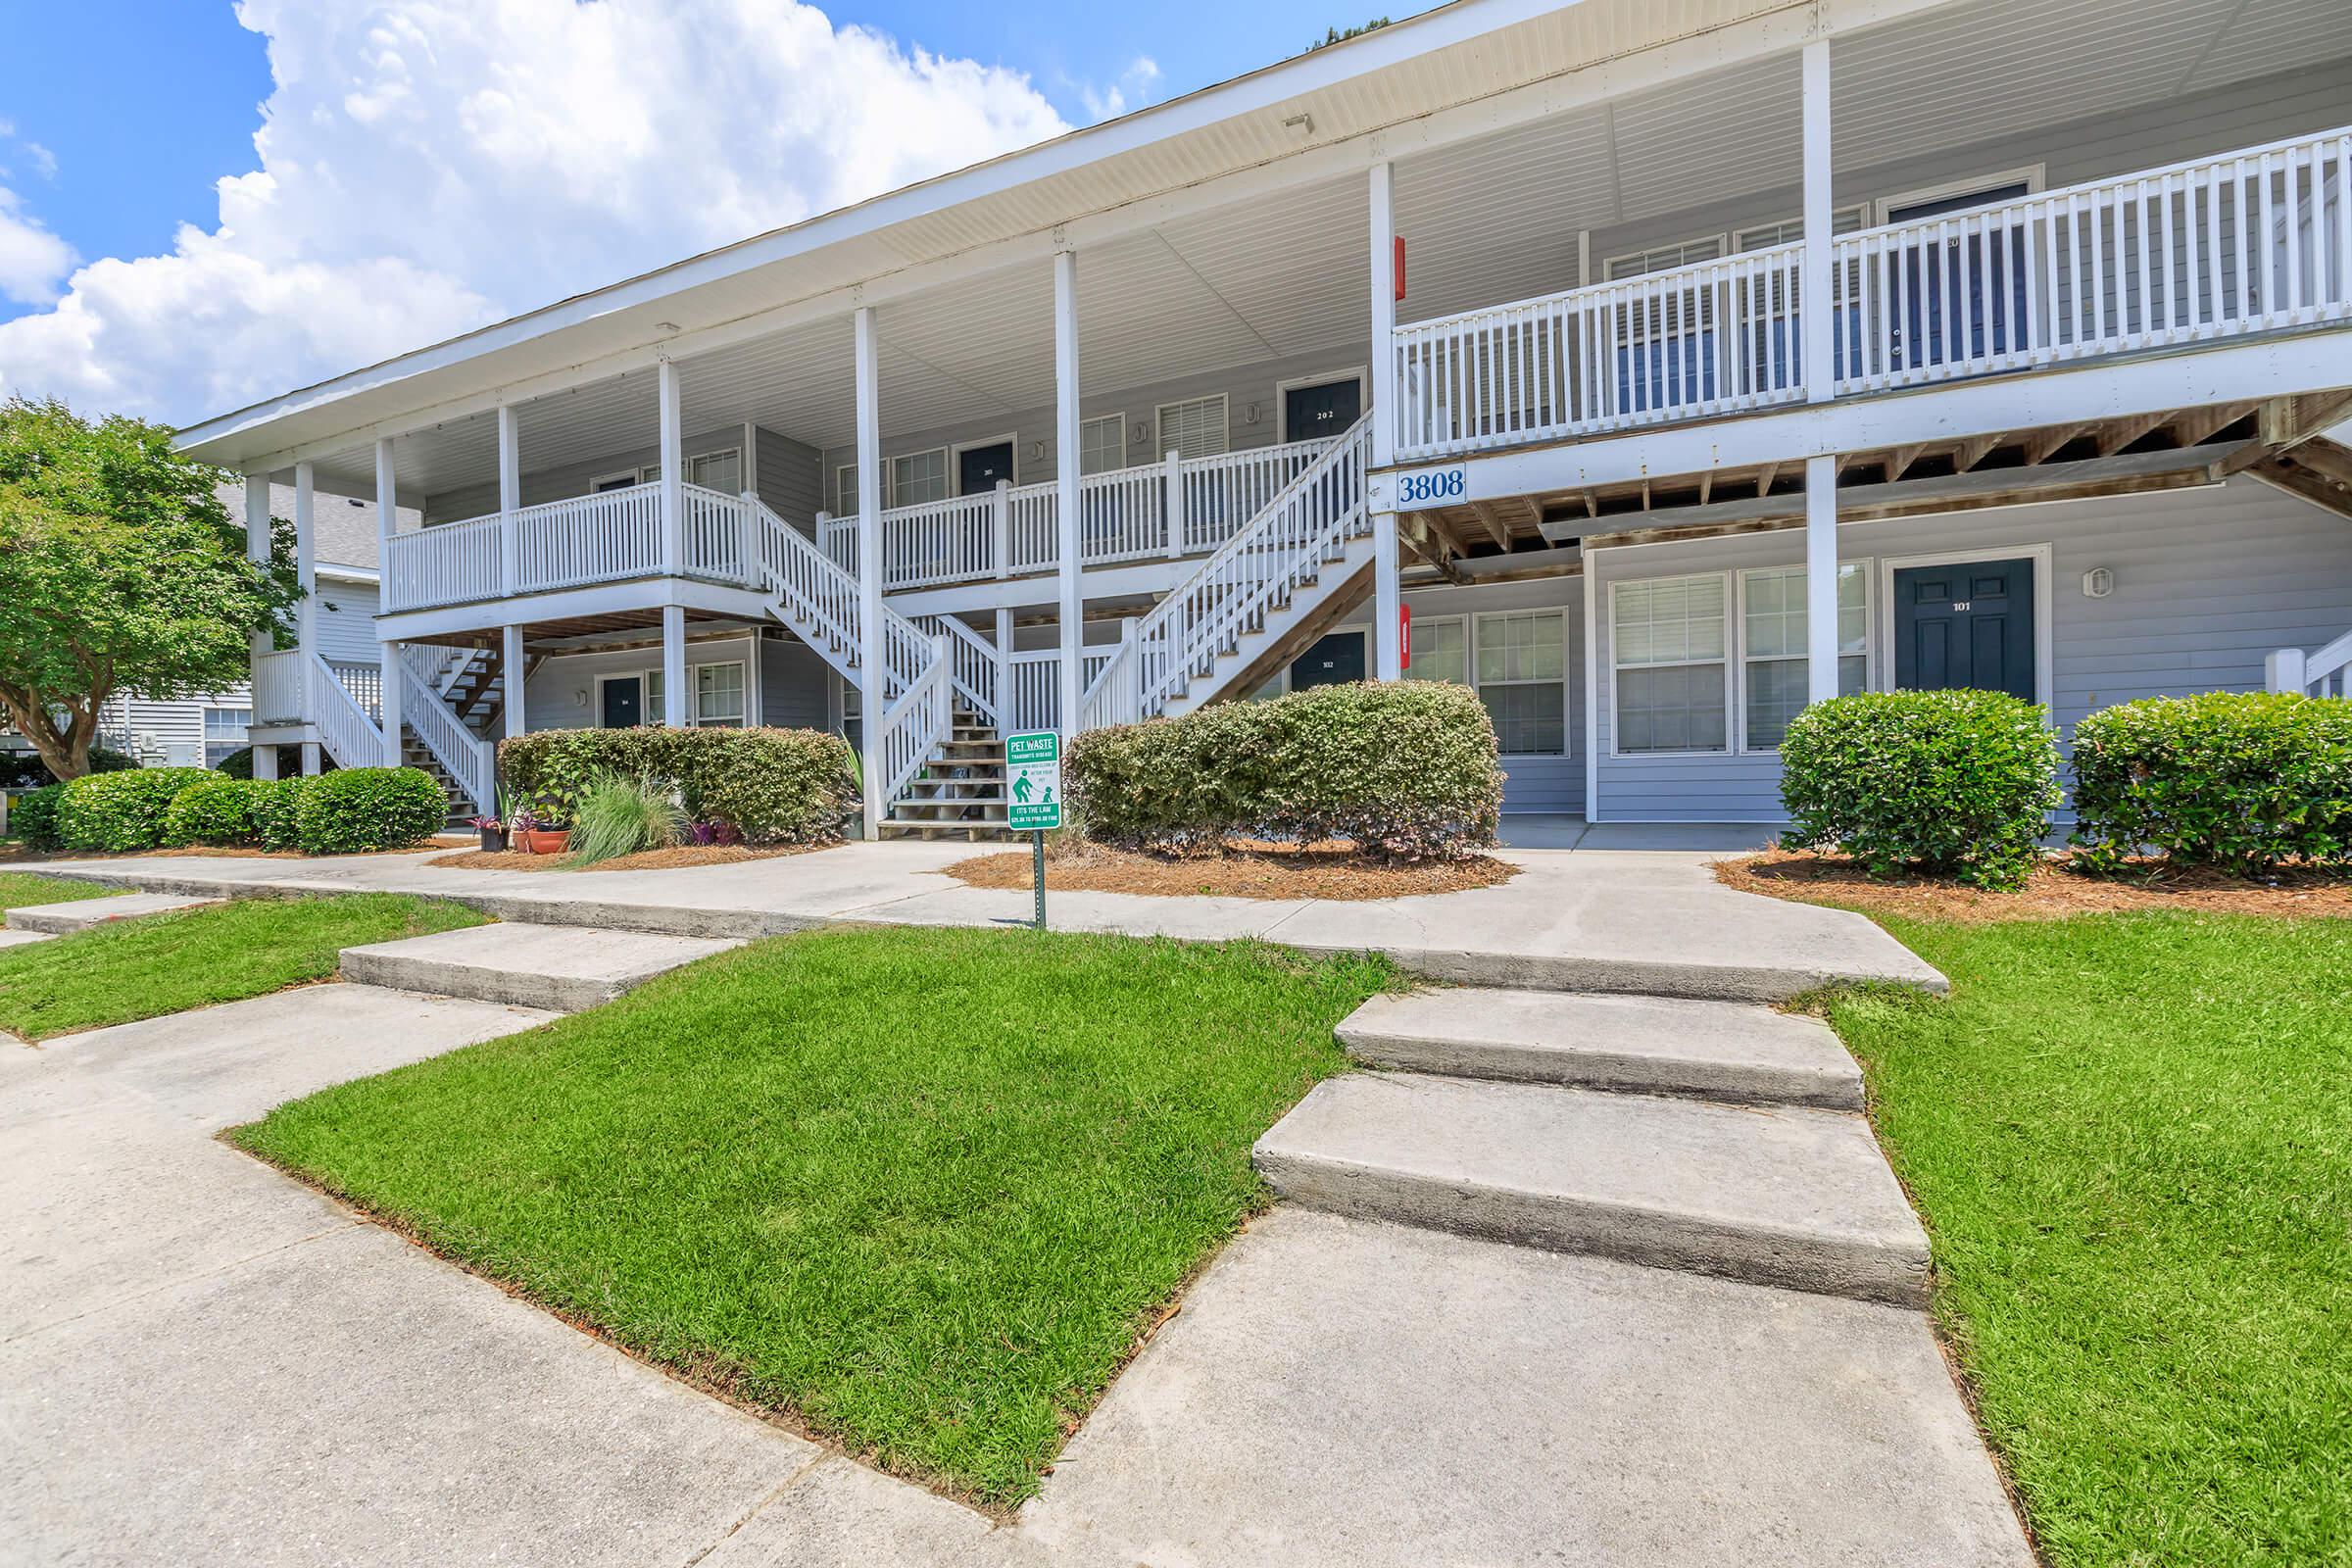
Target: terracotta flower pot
{"type": "Point", "coordinates": [542, 840]}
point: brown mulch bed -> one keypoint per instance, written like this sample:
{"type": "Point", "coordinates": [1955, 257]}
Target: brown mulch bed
{"type": "Point", "coordinates": [2050, 893]}
{"type": "Point", "coordinates": [1258, 871]}
{"type": "Point", "coordinates": [650, 861]}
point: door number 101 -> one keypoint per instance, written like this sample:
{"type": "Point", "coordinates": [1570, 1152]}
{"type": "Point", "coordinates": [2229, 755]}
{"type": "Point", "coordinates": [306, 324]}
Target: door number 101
{"type": "Point", "coordinates": [1430, 486]}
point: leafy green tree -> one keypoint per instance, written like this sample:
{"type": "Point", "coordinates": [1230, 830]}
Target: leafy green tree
{"type": "Point", "coordinates": [119, 572]}
{"type": "Point", "coordinates": [1332, 36]}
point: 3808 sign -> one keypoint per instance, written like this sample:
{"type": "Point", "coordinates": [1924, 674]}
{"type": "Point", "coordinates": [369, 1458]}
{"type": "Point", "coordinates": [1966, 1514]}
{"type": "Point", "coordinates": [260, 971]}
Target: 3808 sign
{"type": "Point", "coordinates": [1442, 485]}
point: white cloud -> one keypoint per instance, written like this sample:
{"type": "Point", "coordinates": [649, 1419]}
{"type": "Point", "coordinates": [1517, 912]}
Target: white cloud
{"type": "Point", "coordinates": [426, 165]}
{"type": "Point", "coordinates": [34, 261]}
{"type": "Point", "coordinates": [1136, 85]}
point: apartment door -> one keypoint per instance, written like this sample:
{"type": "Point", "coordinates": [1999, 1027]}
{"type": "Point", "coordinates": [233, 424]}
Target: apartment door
{"type": "Point", "coordinates": [1966, 625]}
{"type": "Point", "coordinates": [621, 702]}
{"type": "Point", "coordinates": [1326, 409]}
{"type": "Point", "coordinates": [978, 469]}
{"type": "Point", "coordinates": [1335, 661]}
{"type": "Point", "coordinates": [1963, 296]}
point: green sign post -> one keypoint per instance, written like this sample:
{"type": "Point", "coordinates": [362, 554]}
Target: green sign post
{"type": "Point", "coordinates": [1033, 796]}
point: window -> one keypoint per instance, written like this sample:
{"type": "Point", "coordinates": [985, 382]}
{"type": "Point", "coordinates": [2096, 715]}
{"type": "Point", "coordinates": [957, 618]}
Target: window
{"type": "Point", "coordinates": [1193, 429]}
{"type": "Point", "coordinates": [719, 696]}
{"type": "Point", "coordinates": [655, 709]}
{"type": "Point", "coordinates": [916, 477]}
{"type": "Point", "coordinates": [1668, 638]}
{"type": "Point", "coordinates": [223, 732]}
{"type": "Point", "coordinates": [1789, 231]}
{"type": "Point", "coordinates": [1523, 679]}
{"type": "Point", "coordinates": [717, 470]}
{"type": "Point", "coordinates": [1440, 649]}
{"type": "Point", "coordinates": [853, 703]}
{"type": "Point", "coordinates": [1103, 444]}
{"type": "Point", "coordinates": [1659, 258]}
{"type": "Point", "coordinates": [1772, 646]}
{"type": "Point", "coordinates": [844, 490]}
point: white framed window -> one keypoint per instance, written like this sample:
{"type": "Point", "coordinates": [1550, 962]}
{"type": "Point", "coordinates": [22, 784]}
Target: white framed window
{"type": "Point", "coordinates": [916, 477]}
{"type": "Point", "coordinates": [844, 490]}
{"type": "Point", "coordinates": [1975, 191]}
{"type": "Point", "coordinates": [1775, 684]}
{"type": "Point", "coordinates": [1789, 231]}
{"type": "Point", "coordinates": [1522, 668]}
{"type": "Point", "coordinates": [719, 696]}
{"type": "Point", "coordinates": [623, 479]}
{"type": "Point", "coordinates": [1661, 258]}
{"type": "Point", "coordinates": [223, 732]}
{"type": "Point", "coordinates": [720, 470]}
{"type": "Point", "coordinates": [1194, 428]}
{"type": "Point", "coordinates": [1669, 640]}
{"type": "Point", "coordinates": [1441, 649]}
{"type": "Point", "coordinates": [1103, 444]}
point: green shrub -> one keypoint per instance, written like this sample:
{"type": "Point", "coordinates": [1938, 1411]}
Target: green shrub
{"type": "Point", "coordinates": [774, 786]}
{"type": "Point", "coordinates": [278, 813]}
{"type": "Point", "coordinates": [359, 809]}
{"type": "Point", "coordinates": [2244, 781]}
{"type": "Point", "coordinates": [1405, 768]}
{"type": "Point", "coordinates": [1954, 783]}
{"type": "Point", "coordinates": [119, 813]}
{"type": "Point", "coordinates": [223, 811]}
{"type": "Point", "coordinates": [624, 816]}
{"type": "Point", "coordinates": [32, 817]}
{"type": "Point", "coordinates": [238, 763]}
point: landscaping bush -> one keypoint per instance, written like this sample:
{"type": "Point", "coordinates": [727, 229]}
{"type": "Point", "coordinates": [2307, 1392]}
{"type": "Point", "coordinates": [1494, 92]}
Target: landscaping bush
{"type": "Point", "coordinates": [1406, 768]}
{"type": "Point", "coordinates": [774, 786]}
{"type": "Point", "coordinates": [357, 809]}
{"type": "Point", "coordinates": [2244, 781]}
{"type": "Point", "coordinates": [238, 763]}
{"type": "Point", "coordinates": [276, 813]}
{"type": "Point", "coordinates": [25, 770]}
{"type": "Point", "coordinates": [1954, 783]}
{"type": "Point", "coordinates": [223, 811]}
{"type": "Point", "coordinates": [624, 816]}
{"type": "Point", "coordinates": [32, 817]}
{"type": "Point", "coordinates": [118, 813]}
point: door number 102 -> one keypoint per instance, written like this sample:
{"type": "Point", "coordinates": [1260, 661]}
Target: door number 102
{"type": "Point", "coordinates": [1429, 486]}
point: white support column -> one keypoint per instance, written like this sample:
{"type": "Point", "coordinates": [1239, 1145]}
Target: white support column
{"type": "Point", "coordinates": [1174, 465]}
{"type": "Point", "coordinates": [306, 559]}
{"type": "Point", "coordinates": [1819, 328]}
{"type": "Point", "coordinates": [1388, 600]}
{"type": "Point", "coordinates": [1005, 723]}
{"type": "Point", "coordinates": [754, 577]}
{"type": "Point", "coordinates": [1072, 596]}
{"type": "Point", "coordinates": [1592, 689]}
{"type": "Point", "coordinates": [673, 665]}
{"type": "Point", "coordinates": [509, 498]}
{"type": "Point", "coordinates": [1821, 578]}
{"type": "Point", "coordinates": [387, 525]}
{"type": "Point", "coordinates": [1001, 528]}
{"type": "Point", "coordinates": [257, 547]}
{"type": "Point", "coordinates": [674, 472]}
{"type": "Point", "coordinates": [511, 669]}
{"type": "Point", "coordinates": [870, 706]}
{"type": "Point", "coordinates": [311, 763]}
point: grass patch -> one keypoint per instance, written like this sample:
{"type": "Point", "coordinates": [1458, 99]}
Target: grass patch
{"type": "Point", "coordinates": [2130, 1136]}
{"type": "Point", "coordinates": [21, 890]}
{"type": "Point", "coordinates": [159, 964]}
{"type": "Point", "coordinates": [923, 1189]}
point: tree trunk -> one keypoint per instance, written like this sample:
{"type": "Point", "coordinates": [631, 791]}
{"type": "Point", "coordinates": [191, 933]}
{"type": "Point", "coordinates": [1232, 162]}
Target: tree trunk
{"type": "Point", "coordinates": [65, 752]}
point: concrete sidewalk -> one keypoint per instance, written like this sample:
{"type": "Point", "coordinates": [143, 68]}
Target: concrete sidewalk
{"type": "Point", "coordinates": [1616, 914]}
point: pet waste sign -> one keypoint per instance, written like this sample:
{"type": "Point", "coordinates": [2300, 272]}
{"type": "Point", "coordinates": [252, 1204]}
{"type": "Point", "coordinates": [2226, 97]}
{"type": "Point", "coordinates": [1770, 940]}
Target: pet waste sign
{"type": "Point", "coordinates": [1033, 781]}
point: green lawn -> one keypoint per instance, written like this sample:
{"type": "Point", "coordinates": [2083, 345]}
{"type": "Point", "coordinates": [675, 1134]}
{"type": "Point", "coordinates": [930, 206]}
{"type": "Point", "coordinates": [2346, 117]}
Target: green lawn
{"type": "Point", "coordinates": [2130, 1136]}
{"type": "Point", "coordinates": [21, 890]}
{"type": "Point", "coordinates": [160, 964]}
{"type": "Point", "coordinates": [921, 1188]}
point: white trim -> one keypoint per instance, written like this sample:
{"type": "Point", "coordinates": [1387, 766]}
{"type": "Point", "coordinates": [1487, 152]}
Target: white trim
{"type": "Point", "coordinates": [2044, 684]}
{"type": "Point", "coordinates": [840, 497]}
{"type": "Point", "coordinates": [1740, 654]}
{"type": "Point", "coordinates": [686, 467]}
{"type": "Point", "coordinates": [1099, 418]}
{"type": "Point", "coordinates": [1860, 212]}
{"type": "Point", "coordinates": [1593, 687]}
{"type": "Point", "coordinates": [2033, 176]}
{"type": "Point", "coordinates": [890, 475]}
{"type": "Point", "coordinates": [1362, 374]}
{"type": "Point", "coordinates": [1721, 237]}
{"type": "Point", "coordinates": [1160, 420]}
{"type": "Point", "coordinates": [694, 694]}
{"type": "Point", "coordinates": [1010, 441]}
{"type": "Point", "coordinates": [1470, 641]}
{"type": "Point", "coordinates": [1617, 752]}
{"type": "Point", "coordinates": [597, 713]}
{"type": "Point", "coordinates": [619, 479]}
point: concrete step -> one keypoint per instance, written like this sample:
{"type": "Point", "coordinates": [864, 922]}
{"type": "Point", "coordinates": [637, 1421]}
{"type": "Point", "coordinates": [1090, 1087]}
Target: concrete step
{"type": "Point", "coordinates": [57, 920]}
{"type": "Point", "coordinates": [559, 967]}
{"type": "Point", "coordinates": [1724, 1051]}
{"type": "Point", "coordinates": [18, 939]}
{"type": "Point", "coordinates": [1790, 1196]}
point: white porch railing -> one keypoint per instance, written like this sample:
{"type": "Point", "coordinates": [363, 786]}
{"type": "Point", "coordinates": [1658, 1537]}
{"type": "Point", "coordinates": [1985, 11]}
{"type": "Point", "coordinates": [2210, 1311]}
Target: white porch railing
{"type": "Point", "coordinates": [280, 689]}
{"type": "Point", "coordinates": [465, 756]}
{"type": "Point", "coordinates": [364, 682]}
{"type": "Point", "coordinates": [972, 667]}
{"type": "Point", "coordinates": [1037, 684]}
{"type": "Point", "coordinates": [916, 723]}
{"type": "Point", "coordinates": [343, 701]}
{"type": "Point", "coordinates": [2252, 241]}
{"type": "Point", "coordinates": [345, 729]}
{"type": "Point", "coordinates": [2326, 672]}
{"type": "Point", "coordinates": [607, 537]}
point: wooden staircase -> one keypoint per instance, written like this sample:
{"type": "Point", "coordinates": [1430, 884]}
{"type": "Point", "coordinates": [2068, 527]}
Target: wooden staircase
{"type": "Point", "coordinates": [960, 791]}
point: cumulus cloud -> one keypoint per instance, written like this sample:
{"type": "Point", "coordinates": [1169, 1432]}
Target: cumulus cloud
{"type": "Point", "coordinates": [427, 166]}
{"type": "Point", "coordinates": [34, 261]}
{"type": "Point", "coordinates": [1137, 86]}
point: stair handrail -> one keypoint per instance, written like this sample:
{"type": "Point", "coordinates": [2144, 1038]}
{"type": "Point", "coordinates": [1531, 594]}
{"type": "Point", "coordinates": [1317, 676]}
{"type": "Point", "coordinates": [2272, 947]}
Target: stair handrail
{"type": "Point", "coordinates": [1115, 695]}
{"type": "Point", "coordinates": [972, 667]}
{"type": "Point", "coordinates": [819, 600]}
{"type": "Point", "coordinates": [467, 757]}
{"type": "Point", "coordinates": [1307, 519]}
{"type": "Point", "coordinates": [915, 724]}
{"type": "Point", "coordinates": [350, 736]}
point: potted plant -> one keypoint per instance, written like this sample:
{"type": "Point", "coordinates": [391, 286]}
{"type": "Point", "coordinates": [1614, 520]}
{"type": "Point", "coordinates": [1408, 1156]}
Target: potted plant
{"type": "Point", "coordinates": [534, 832]}
{"type": "Point", "coordinates": [492, 830]}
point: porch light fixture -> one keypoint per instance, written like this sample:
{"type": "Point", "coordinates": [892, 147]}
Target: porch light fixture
{"type": "Point", "coordinates": [2097, 583]}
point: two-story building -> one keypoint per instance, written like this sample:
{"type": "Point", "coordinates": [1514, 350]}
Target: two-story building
{"type": "Point", "coordinates": [1654, 368]}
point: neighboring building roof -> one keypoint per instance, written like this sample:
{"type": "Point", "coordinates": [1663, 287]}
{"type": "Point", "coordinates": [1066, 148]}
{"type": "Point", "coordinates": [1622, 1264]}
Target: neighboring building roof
{"type": "Point", "coordinates": [343, 528]}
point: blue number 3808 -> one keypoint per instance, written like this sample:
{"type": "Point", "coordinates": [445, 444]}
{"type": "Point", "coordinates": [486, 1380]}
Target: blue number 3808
{"type": "Point", "coordinates": [1429, 486]}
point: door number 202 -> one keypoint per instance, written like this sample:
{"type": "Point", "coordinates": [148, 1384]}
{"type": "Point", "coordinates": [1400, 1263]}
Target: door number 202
{"type": "Point", "coordinates": [1429, 486]}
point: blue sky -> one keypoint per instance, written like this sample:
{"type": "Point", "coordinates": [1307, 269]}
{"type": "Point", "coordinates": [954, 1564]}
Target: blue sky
{"type": "Point", "coordinates": [137, 149]}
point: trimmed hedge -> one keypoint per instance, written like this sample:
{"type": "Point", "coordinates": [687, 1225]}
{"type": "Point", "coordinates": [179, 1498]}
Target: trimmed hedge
{"type": "Point", "coordinates": [774, 786]}
{"type": "Point", "coordinates": [122, 813]}
{"type": "Point", "coordinates": [2243, 781]}
{"type": "Point", "coordinates": [32, 817]}
{"type": "Point", "coordinates": [1956, 783]}
{"type": "Point", "coordinates": [1405, 768]}
{"type": "Point", "coordinates": [233, 812]}
{"type": "Point", "coordinates": [354, 810]}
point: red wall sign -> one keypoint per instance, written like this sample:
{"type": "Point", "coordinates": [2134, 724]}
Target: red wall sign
{"type": "Point", "coordinates": [1404, 636]}
{"type": "Point", "coordinates": [1399, 267]}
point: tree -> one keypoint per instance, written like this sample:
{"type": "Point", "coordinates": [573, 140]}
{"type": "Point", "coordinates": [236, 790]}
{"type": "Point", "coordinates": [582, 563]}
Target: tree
{"type": "Point", "coordinates": [1332, 36]}
{"type": "Point", "coordinates": [119, 572]}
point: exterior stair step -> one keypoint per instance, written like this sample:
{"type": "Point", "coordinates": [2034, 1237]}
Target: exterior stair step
{"type": "Point", "coordinates": [81, 914]}
{"type": "Point", "coordinates": [562, 968]}
{"type": "Point", "coordinates": [1787, 1196]}
{"type": "Point", "coordinates": [1719, 1051]}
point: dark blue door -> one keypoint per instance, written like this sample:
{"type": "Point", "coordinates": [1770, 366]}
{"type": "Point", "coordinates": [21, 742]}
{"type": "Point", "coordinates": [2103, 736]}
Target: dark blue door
{"type": "Point", "coordinates": [1968, 627]}
{"type": "Point", "coordinates": [623, 702]}
{"type": "Point", "coordinates": [1963, 298]}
